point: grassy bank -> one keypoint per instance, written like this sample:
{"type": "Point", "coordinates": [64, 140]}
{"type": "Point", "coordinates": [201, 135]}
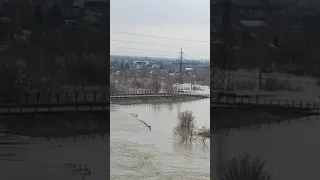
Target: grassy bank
{"type": "Point", "coordinates": [153, 100]}
{"type": "Point", "coordinates": [63, 124]}
{"type": "Point", "coordinates": [246, 117]}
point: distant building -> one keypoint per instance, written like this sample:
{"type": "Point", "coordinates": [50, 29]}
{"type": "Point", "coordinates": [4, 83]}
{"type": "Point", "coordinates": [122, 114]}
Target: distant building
{"type": "Point", "coordinates": [141, 63]}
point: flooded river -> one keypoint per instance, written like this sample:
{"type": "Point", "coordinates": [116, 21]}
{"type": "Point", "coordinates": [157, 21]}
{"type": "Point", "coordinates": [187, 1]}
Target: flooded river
{"type": "Point", "coordinates": [39, 159]}
{"type": "Point", "coordinates": [291, 150]}
{"type": "Point", "coordinates": [137, 153]}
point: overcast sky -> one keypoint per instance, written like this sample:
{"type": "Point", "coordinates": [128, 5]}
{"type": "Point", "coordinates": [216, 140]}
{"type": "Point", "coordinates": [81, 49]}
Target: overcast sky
{"type": "Point", "coordinates": [172, 20]}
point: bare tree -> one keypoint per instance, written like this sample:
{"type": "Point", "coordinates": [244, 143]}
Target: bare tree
{"type": "Point", "coordinates": [245, 167]}
{"type": "Point", "coordinates": [113, 87]}
{"type": "Point", "coordinates": [11, 76]}
{"type": "Point", "coordinates": [155, 83]}
{"type": "Point", "coordinates": [185, 130]}
{"type": "Point", "coordinates": [169, 84]}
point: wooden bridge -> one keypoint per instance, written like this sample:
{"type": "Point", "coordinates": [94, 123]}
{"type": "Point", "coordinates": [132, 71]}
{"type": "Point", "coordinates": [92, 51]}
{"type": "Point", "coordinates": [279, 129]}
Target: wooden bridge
{"type": "Point", "coordinates": [246, 101]}
{"type": "Point", "coordinates": [153, 94]}
{"type": "Point", "coordinates": [97, 101]}
{"type": "Point", "coordinates": [75, 101]}
{"type": "Point", "coordinates": [61, 102]}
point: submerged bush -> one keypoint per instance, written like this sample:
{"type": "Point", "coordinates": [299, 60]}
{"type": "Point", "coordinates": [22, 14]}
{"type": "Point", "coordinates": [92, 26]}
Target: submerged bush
{"type": "Point", "coordinates": [185, 129]}
{"type": "Point", "coordinates": [204, 133]}
{"type": "Point", "coordinates": [246, 167]}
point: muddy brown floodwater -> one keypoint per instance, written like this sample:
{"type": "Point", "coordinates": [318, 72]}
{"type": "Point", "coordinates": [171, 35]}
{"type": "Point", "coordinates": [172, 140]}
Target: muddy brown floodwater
{"type": "Point", "coordinates": [291, 151]}
{"type": "Point", "coordinates": [137, 153]}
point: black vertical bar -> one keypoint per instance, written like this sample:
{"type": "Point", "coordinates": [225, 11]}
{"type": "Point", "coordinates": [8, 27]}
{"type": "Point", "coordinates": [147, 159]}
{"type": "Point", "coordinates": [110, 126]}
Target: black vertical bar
{"type": "Point", "coordinates": [38, 97]}
{"type": "Point", "coordinates": [58, 97]}
{"type": "Point", "coordinates": [95, 96]}
{"type": "Point", "coordinates": [104, 96]}
{"type": "Point", "coordinates": [85, 96]}
{"type": "Point", "coordinates": [67, 94]}
{"type": "Point", "coordinates": [76, 98]}
{"type": "Point", "coordinates": [27, 98]}
{"type": "Point", "coordinates": [49, 96]}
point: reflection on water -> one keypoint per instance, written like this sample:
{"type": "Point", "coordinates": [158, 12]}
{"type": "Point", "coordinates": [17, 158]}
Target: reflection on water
{"type": "Point", "coordinates": [170, 107]}
{"type": "Point", "coordinates": [63, 159]}
{"type": "Point", "coordinates": [290, 150]}
{"type": "Point", "coordinates": [137, 153]}
{"type": "Point", "coordinates": [156, 107]}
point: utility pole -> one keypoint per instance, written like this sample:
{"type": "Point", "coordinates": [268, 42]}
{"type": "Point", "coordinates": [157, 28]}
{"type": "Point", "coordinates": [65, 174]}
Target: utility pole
{"type": "Point", "coordinates": [180, 68]}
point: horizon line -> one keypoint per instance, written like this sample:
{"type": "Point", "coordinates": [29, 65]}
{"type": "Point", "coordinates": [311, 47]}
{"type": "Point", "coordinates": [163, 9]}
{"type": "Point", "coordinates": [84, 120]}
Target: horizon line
{"type": "Point", "coordinates": [206, 59]}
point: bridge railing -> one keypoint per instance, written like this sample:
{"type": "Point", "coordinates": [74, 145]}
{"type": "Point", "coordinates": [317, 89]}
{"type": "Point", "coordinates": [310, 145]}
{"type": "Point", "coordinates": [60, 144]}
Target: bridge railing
{"type": "Point", "coordinates": [256, 100]}
{"type": "Point", "coordinates": [59, 97]}
{"type": "Point", "coordinates": [68, 97]}
{"type": "Point", "coordinates": [148, 92]}
{"type": "Point", "coordinates": [140, 91]}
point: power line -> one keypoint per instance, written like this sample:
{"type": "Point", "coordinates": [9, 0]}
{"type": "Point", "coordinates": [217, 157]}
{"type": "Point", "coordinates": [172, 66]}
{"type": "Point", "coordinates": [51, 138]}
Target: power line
{"type": "Point", "coordinates": [137, 49]}
{"type": "Point", "coordinates": [154, 44]}
{"type": "Point", "coordinates": [160, 15]}
{"type": "Point", "coordinates": [117, 20]}
{"type": "Point", "coordinates": [143, 23]}
{"type": "Point", "coordinates": [148, 50]}
{"type": "Point", "coordinates": [160, 37]}
{"type": "Point", "coordinates": [122, 53]}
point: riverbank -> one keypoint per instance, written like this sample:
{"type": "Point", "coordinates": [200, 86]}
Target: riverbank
{"type": "Point", "coordinates": [52, 125]}
{"type": "Point", "coordinates": [247, 117]}
{"type": "Point", "coordinates": [154, 100]}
